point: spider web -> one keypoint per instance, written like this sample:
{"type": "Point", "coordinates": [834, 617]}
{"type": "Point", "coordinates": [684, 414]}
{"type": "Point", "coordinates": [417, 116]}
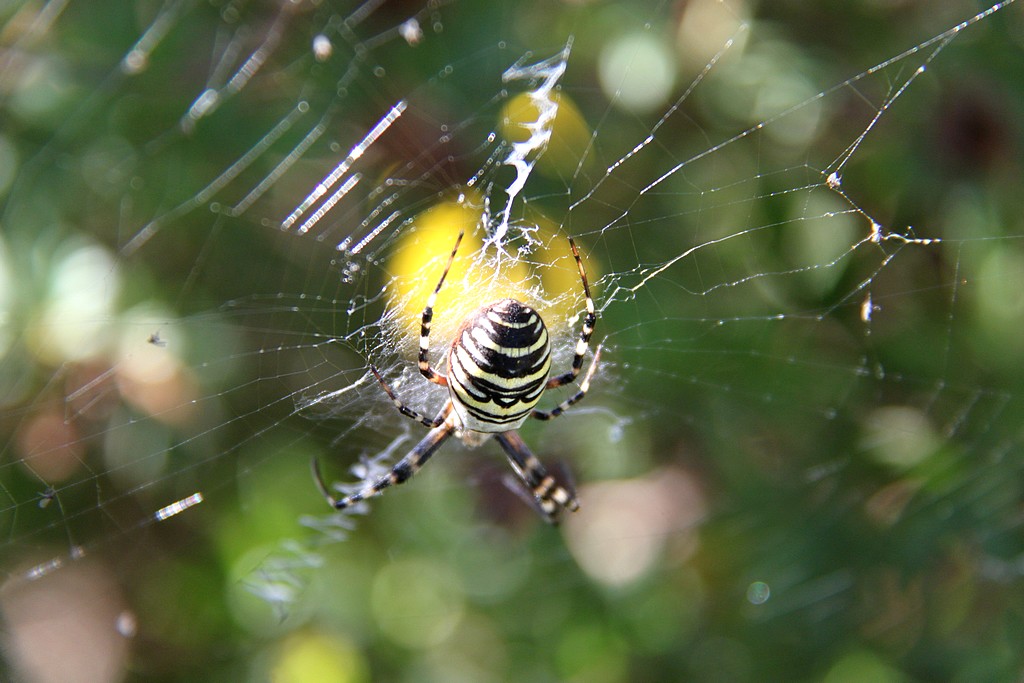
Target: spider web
{"type": "Point", "coordinates": [809, 297]}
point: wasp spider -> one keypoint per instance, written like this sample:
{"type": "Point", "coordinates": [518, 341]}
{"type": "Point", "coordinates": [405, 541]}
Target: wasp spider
{"type": "Point", "coordinates": [498, 367]}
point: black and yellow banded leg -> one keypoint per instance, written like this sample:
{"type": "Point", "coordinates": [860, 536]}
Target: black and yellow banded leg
{"type": "Point", "coordinates": [425, 322]}
{"type": "Point", "coordinates": [583, 343]}
{"type": "Point", "coordinates": [551, 497]}
{"type": "Point", "coordinates": [567, 403]}
{"type": "Point", "coordinates": [407, 411]}
{"type": "Point", "coordinates": [401, 472]}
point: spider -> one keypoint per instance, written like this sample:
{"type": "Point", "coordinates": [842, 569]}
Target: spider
{"type": "Point", "coordinates": [498, 367]}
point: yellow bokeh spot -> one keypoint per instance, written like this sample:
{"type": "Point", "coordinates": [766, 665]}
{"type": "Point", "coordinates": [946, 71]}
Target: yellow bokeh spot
{"type": "Point", "coordinates": [472, 282]}
{"type": "Point", "coordinates": [310, 656]}
{"type": "Point", "coordinates": [863, 665]}
{"type": "Point", "coordinates": [480, 275]}
{"type": "Point", "coordinates": [559, 273]}
{"type": "Point", "coordinates": [561, 277]}
{"type": "Point", "coordinates": [570, 134]}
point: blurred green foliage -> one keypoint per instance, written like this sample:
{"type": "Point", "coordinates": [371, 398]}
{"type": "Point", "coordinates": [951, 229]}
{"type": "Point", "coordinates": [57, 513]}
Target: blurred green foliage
{"type": "Point", "coordinates": [804, 494]}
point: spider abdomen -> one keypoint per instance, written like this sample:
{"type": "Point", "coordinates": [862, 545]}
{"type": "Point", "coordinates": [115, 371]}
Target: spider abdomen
{"type": "Point", "coordinates": [498, 366]}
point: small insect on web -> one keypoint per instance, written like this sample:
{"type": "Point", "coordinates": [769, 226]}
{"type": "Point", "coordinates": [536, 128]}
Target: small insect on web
{"type": "Point", "coordinates": [499, 364]}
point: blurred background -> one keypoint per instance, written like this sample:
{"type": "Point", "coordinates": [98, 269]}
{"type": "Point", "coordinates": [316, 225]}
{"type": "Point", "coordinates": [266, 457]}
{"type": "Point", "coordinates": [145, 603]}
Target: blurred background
{"type": "Point", "coordinates": [800, 458]}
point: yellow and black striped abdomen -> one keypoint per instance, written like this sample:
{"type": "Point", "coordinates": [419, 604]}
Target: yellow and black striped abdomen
{"type": "Point", "coordinates": [498, 366]}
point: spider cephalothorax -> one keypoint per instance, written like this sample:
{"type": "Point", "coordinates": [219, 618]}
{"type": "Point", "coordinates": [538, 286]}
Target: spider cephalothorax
{"type": "Point", "coordinates": [498, 368]}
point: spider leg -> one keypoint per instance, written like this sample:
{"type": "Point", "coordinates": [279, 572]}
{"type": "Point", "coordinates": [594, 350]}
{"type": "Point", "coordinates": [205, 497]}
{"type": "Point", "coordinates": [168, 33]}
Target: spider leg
{"type": "Point", "coordinates": [550, 497]}
{"type": "Point", "coordinates": [564, 405]}
{"type": "Point", "coordinates": [428, 315]}
{"type": "Point", "coordinates": [405, 410]}
{"type": "Point", "coordinates": [403, 470]}
{"type": "Point", "coordinates": [588, 327]}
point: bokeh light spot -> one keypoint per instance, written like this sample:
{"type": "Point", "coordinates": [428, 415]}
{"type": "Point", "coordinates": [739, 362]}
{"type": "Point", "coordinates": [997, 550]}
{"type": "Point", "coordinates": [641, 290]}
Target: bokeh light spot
{"type": "Point", "coordinates": [311, 656]}
{"type": "Point", "coordinates": [758, 593]}
{"type": "Point", "coordinates": [899, 437]}
{"type": "Point", "coordinates": [624, 58]}
{"type": "Point", "coordinates": [417, 602]}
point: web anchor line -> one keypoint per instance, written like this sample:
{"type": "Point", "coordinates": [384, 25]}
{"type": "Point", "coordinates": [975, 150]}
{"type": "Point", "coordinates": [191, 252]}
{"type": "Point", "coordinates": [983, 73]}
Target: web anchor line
{"type": "Point", "coordinates": [339, 171]}
{"type": "Point", "coordinates": [77, 552]}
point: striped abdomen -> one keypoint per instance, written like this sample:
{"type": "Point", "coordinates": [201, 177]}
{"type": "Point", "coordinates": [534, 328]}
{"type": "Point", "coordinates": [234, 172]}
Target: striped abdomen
{"type": "Point", "coordinates": [498, 366]}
